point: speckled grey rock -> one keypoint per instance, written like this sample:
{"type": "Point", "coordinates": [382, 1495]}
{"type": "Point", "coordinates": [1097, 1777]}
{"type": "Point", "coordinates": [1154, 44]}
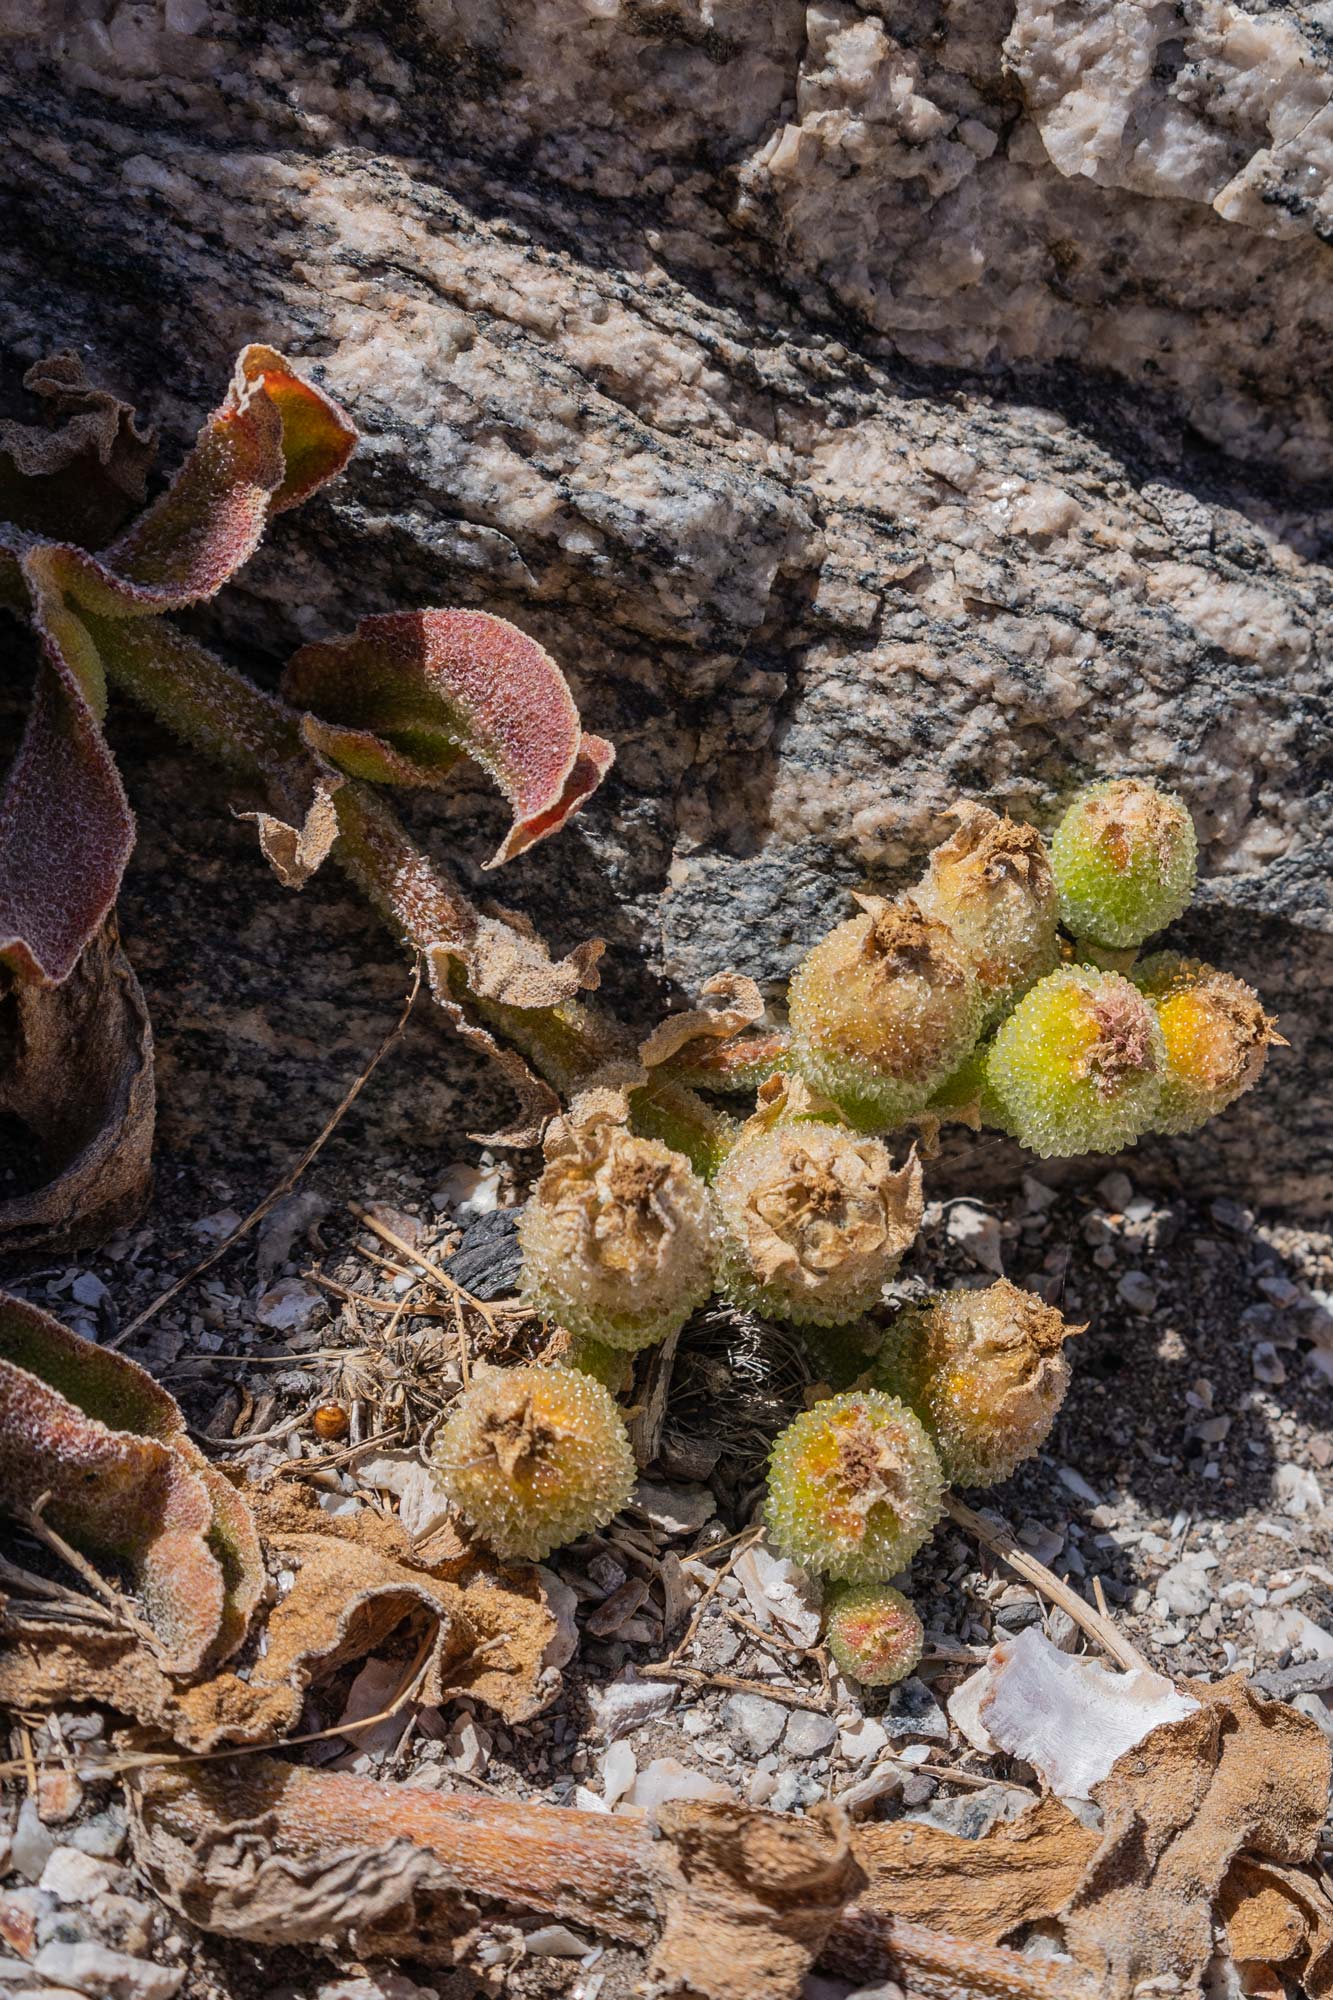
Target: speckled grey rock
{"type": "Point", "coordinates": [865, 408]}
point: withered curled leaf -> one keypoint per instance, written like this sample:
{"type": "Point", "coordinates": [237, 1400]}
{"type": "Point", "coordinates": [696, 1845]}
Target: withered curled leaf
{"type": "Point", "coordinates": [94, 1440]}
{"type": "Point", "coordinates": [410, 691]}
{"type": "Point", "coordinates": [356, 1586]}
{"type": "Point", "coordinates": [76, 1068]}
{"type": "Point", "coordinates": [79, 475]}
{"type": "Point", "coordinates": [236, 1881]}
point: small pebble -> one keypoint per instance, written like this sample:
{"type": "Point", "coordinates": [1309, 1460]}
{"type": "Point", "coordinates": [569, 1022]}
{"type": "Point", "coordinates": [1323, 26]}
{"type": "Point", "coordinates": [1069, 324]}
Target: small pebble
{"type": "Point", "coordinates": [808, 1733]}
{"type": "Point", "coordinates": [1138, 1291]}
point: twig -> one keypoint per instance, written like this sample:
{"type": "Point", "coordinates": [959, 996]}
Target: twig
{"type": "Point", "coordinates": [72, 1602]}
{"type": "Point", "coordinates": [275, 1436]}
{"type": "Point", "coordinates": [772, 1690]}
{"type": "Point", "coordinates": [1002, 1544]}
{"type": "Point", "coordinates": [432, 1270]}
{"type": "Point", "coordinates": [739, 1544]}
{"type": "Point", "coordinates": [368, 1303]}
{"type": "Point", "coordinates": [289, 1179]}
{"type": "Point", "coordinates": [31, 1519]}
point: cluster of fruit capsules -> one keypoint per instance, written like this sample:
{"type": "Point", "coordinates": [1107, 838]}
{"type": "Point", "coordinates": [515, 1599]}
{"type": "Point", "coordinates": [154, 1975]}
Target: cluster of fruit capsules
{"type": "Point", "coordinates": [963, 998]}
{"type": "Point", "coordinates": [960, 998]}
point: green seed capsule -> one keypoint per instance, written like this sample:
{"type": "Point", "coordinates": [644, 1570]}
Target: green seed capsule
{"type": "Point", "coordinates": [1078, 1065]}
{"type": "Point", "coordinates": [873, 1633]}
{"type": "Point", "coordinates": [1124, 859]}
{"type": "Point", "coordinates": [991, 883]}
{"type": "Point", "coordinates": [985, 1373]}
{"type": "Point", "coordinates": [535, 1457]}
{"type": "Point", "coordinates": [882, 1010]}
{"type": "Point", "coordinates": [854, 1487]}
{"type": "Point", "coordinates": [1217, 1038]}
{"type": "Point", "coordinates": [617, 1237]}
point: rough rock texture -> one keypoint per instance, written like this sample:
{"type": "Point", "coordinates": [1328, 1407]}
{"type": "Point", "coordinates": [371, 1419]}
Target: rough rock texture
{"type": "Point", "coordinates": [864, 404]}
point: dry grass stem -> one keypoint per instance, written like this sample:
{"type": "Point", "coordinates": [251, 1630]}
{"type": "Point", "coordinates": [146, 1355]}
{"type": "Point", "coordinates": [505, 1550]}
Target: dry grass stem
{"type": "Point", "coordinates": [289, 1179]}
{"type": "Point", "coordinates": [1002, 1544]}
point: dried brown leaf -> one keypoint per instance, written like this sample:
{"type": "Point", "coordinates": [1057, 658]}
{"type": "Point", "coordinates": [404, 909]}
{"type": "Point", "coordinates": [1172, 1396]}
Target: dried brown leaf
{"type": "Point", "coordinates": [1024, 1869]}
{"type": "Point", "coordinates": [1275, 1914]}
{"type": "Point", "coordinates": [80, 474]}
{"type": "Point", "coordinates": [107, 1444]}
{"type": "Point", "coordinates": [294, 852]}
{"type": "Point", "coordinates": [76, 1067]}
{"type": "Point", "coordinates": [748, 1899]}
{"type": "Point", "coordinates": [1238, 1775]}
{"type": "Point", "coordinates": [236, 1881]}
{"type": "Point", "coordinates": [356, 1583]}
{"type": "Point", "coordinates": [741, 1005]}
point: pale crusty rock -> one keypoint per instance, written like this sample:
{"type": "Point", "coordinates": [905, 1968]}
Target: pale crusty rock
{"type": "Point", "coordinates": [865, 406]}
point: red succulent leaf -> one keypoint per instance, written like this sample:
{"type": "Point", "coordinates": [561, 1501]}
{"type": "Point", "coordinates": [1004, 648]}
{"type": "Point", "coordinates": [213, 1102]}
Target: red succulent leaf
{"type": "Point", "coordinates": [108, 1446]}
{"type": "Point", "coordinates": [273, 441]}
{"type": "Point", "coordinates": [66, 829]}
{"type": "Point", "coordinates": [432, 683]}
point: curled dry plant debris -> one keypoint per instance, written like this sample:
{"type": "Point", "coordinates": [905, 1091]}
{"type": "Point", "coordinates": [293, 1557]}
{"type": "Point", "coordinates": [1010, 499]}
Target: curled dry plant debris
{"type": "Point", "coordinates": [76, 1069]}
{"type": "Point", "coordinates": [1211, 1818]}
{"type": "Point", "coordinates": [93, 1444]}
{"type": "Point", "coordinates": [351, 1587]}
{"type": "Point", "coordinates": [401, 701]}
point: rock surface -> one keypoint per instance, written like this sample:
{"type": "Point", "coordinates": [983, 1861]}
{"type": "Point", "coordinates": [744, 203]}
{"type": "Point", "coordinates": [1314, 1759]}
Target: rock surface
{"type": "Point", "coordinates": [864, 406]}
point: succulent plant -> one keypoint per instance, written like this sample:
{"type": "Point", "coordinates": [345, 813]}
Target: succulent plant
{"type": "Point", "coordinates": [882, 1010]}
{"type": "Point", "coordinates": [992, 884]}
{"type": "Point", "coordinates": [617, 1236]}
{"type": "Point", "coordinates": [985, 1372]}
{"type": "Point", "coordinates": [854, 1487]}
{"type": "Point", "coordinates": [1217, 1038]}
{"type": "Point", "coordinates": [1078, 1065]}
{"type": "Point", "coordinates": [533, 1457]}
{"type": "Point", "coordinates": [613, 1367]}
{"type": "Point", "coordinates": [873, 1633]}
{"type": "Point", "coordinates": [813, 1217]}
{"type": "Point", "coordinates": [1124, 858]}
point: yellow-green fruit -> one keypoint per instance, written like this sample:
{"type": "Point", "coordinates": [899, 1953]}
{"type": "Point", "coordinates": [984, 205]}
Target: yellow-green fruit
{"type": "Point", "coordinates": [966, 1096]}
{"type": "Point", "coordinates": [1078, 1065]}
{"type": "Point", "coordinates": [617, 1237]}
{"type": "Point", "coordinates": [854, 1487]}
{"type": "Point", "coordinates": [992, 884]}
{"type": "Point", "coordinates": [873, 1633]}
{"type": "Point", "coordinates": [1124, 857]}
{"type": "Point", "coordinates": [882, 1010]}
{"type": "Point", "coordinates": [985, 1372]}
{"type": "Point", "coordinates": [812, 1220]}
{"type": "Point", "coordinates": [613, 1367]}
{"type": "Point", "coordinates": [1217, 1037]}
{"type": "Point", "coordinates": [534, 1457]}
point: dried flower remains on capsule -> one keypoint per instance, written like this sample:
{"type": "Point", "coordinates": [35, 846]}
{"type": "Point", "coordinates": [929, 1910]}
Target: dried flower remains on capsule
{"type": "Point", "coordinates": [985, 1372]}
{"type": "Point", "coordinates": [813, 1217]}
{"type": "Point", "coordinates": [534, 1457]}
{"type": "Point", "coordinates": [617, 1237]}
{"type": "Point", "coordinates": [854, 1487]}
{"type": "Point", "coordinates": [991, 883]}
{"type": "Point", "coordinates": [882, 1010]}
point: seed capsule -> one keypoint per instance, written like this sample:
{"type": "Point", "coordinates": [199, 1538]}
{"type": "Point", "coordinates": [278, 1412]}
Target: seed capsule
{"type": "Point", "coordinates": [873, 1633]}
{"type": "Point", "coordinates": [991, 883]}
{"type": "Point", "coordinates": [1078, 1065]}
{"type": "Point", "coordinates": [985, 1372]}
{"type": "Point", "coordinates": [617, 1237]}
{"type": "Point", "coordinates": [882, 1010]}
{"type": "Point", "coordinates": [854, 1487]}
{"type": "Point", "coordinates": [1124, 858]}
{"type": "Point", "coordinates": [330, 1422]}
{"type": "Point", "coordinates": [534, 1457]}
{"type": "Point", "coordinates": [813, 1218]}
{"type": "Point", "coordinates": [1217, 1038]}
